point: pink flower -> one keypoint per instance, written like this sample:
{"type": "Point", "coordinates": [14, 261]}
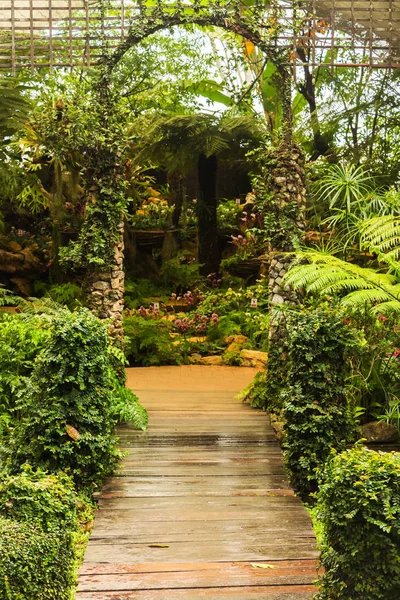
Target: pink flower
{"type": "Point", "coordinates": [382, 318]}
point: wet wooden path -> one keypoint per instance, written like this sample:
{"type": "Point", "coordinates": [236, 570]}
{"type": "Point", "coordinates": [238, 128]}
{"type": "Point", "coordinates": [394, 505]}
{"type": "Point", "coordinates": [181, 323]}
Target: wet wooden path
{"type": "Point", "coordinates": [200, 497]}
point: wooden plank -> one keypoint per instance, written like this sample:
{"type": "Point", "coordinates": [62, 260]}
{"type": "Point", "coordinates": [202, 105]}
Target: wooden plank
{"type": "Point", "coordinates": [198, 497]}
{"type": "Point", "coordinates": [106, 569]}
{"type": "Point", "coordinates": [255, 551]}
{"type": "Point", "coordinates": [108, 526]}
{"type": "Point", "coordinates": [300, 592]}
{"type": "Point", "coordinates": [246, 576]}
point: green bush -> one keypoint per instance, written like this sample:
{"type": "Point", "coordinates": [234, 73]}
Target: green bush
{"type": "Point", "coordinates": [359, 507]}
{"type": "Point", "coordinates": [254, 393]}
{"type": "Point", "coordinates": [67, 422]}
{"type": "Point", "coordinates": [37, 497]}
{"type": "Point", "coordinates": [149, 343]}
{"type": "Point", "coordinates": [35, 564]}
{"type": "Point", "coordinates": [125, 405]}
{"type": "Point", "coordinates": [316, 410]}
{"type": "Point", "coordinates": [21, 340]}
{"type": "Point", "coordinates": [66, 294]}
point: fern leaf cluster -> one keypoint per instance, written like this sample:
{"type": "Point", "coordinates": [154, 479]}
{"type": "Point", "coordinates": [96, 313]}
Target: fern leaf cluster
{"type": "Point", "coordinates": [381, 235]}
{"type": "Point", "coordinates": [327, 275]}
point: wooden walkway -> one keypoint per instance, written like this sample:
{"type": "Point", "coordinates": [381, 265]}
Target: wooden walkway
{"type": "Point", "coordinates": [201, 496]}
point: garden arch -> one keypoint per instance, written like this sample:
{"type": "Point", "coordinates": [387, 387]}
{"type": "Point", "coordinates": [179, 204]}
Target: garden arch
{"type": "Point", "coordinates": [49, 33]}
{"type": "Point", "coordinates": [286, 171]}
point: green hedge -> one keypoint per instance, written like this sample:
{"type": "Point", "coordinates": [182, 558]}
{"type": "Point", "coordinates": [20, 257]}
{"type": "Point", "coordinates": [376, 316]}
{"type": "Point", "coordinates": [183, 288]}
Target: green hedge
{"type": "Point", "coordinates": [35, 564]}
{"type": "Point", "coordinates": [359, 507]}
{"type": "Point", "coordinates": [316, 411]}
{"type": "Point", "coordinates": [67, 421]}
{"type": "Point", "coordinates": [37, 497]}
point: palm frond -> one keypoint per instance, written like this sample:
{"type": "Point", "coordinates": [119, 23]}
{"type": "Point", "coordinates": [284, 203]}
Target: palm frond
{"type": "Point", "coordinates": [176, 141]}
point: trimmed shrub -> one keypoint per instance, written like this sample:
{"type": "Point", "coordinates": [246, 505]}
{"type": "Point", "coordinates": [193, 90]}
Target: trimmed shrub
{"type": "Point", "coordinates": [37, 497]}
{"type": "Point", "coordinates": [67, 422]}
{"type": "Point", "coordinates": [359, 507]}
{"type": "Point", "coordinates": [35, 564]}
{"type": "Point", "coordinates": [316, 411]}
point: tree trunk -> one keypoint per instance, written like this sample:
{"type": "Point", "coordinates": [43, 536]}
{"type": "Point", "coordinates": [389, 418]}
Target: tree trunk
{"type": "Point", "coordinates": [209, 253]}
{"type": "Point", "coordinates": [176, 195]}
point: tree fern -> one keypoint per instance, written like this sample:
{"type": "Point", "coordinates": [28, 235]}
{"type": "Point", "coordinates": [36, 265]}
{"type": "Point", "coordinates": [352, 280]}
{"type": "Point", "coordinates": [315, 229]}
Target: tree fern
{"type": "Point", "coordinates": [327, 275]}
{"type": "Point", "coordinates": [381, 235]}
{"type": "Point", "coordinates": [7, 298]}
{"type": "Point", "coordinates": [176, 141]}
{"type": "Point", "coordinates": [14, 107]}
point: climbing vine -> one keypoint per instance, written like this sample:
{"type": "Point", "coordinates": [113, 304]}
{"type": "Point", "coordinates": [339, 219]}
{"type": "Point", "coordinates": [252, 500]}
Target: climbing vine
{"type": "Point", "coordinates": [104, 180]}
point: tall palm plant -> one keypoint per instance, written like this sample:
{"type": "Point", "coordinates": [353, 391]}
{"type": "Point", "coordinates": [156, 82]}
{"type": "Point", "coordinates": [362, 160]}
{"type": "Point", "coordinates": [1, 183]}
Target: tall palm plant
{"type": "Point", "coordinates": [179, 142]}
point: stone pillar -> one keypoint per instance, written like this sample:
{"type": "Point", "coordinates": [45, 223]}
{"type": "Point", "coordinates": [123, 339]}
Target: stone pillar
{"type": "Point", "coordinates": [284, 215]}
{"type": "Point", "coordinates": [105, 290]}
{"type": "Point", "coordinates": [279, 293]}
{"type": "Point", "coordinates": [285, 204]}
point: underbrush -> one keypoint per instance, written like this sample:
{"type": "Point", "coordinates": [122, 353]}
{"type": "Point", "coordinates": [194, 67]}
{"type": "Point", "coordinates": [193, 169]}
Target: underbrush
{"type": "Point", "coordinates": [60, 398]}
{"type": "Point", "coordinates": [211, 321]}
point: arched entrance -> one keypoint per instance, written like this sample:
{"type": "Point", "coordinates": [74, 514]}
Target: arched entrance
{"type": "Point", "coordinates": [284, 172]}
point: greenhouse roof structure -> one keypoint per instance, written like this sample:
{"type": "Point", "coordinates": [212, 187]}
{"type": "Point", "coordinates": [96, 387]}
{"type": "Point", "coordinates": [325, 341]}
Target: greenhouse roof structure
{"type": "Point", "coordinates": [69, 33]}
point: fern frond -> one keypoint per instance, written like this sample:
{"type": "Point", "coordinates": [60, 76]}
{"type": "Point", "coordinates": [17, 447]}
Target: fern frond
{"type": "Point", "coordinates": [382, 236]}
{"type": "Point", "coordinates": [328, 275]}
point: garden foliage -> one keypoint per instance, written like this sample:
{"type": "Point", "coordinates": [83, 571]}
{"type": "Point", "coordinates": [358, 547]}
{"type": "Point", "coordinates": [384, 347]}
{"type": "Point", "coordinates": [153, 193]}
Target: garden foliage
{"type": "Point", "coordinates": [67, 419]}
{"type": "Point", "coordinates": [359, 507]}
{"type": "Point", "coordinates": [21, 340]}
{"type": "Point", "coordinates": [35, 564]}
{"type": "Point", "coordinates": [38, 525]}
{"type": "Point", "coordinates": [316, 410]}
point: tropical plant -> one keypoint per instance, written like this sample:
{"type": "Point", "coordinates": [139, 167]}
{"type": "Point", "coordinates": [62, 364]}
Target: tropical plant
{"type": "Point", "coordinates": [7, 298]}
{"type": "Point", "coordinates": [14, 107]}
{"type": "Point", "coordinates": [358, 506]}
{"type": "Point", "coordinates": [324, 274]}
{"type": "Point", "coordinates": [344, 186]}
{"type": "Point", "coordinates": [180, 142]}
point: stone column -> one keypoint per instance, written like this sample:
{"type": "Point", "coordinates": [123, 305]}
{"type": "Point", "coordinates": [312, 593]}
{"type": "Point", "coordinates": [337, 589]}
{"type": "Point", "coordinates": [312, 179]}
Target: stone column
{"type": "Point", "coordinates": [284, 215]}
{"type": "Point", "coordinates": [105, 290]}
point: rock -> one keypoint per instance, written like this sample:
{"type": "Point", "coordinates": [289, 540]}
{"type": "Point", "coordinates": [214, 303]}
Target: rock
{"type": "Point", "coordinates": [14, 246]}
{"type": "Point", "coordinates": [214, 361]}
{"type": "Point", "coordinates": [235, 342]}
{"type": "Point", "coordinates": [237, 339]}
{"type": "Point", "coordinates": [277, 299]}
{"type": "Point", "coordinates": [23, 286]}
{"type": "Point", "coordinates": [101, 285]}
{"type": "Point", "coordinates": [379, 431]}
{"type": "Point", "coordinates": [195, 358]}
{"type": "Point", "coordinates": [117, 307]}
{"type": "Point", "coordinates": [103, 276]}
{"type": "Point", "coordinates": [254, 358]}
